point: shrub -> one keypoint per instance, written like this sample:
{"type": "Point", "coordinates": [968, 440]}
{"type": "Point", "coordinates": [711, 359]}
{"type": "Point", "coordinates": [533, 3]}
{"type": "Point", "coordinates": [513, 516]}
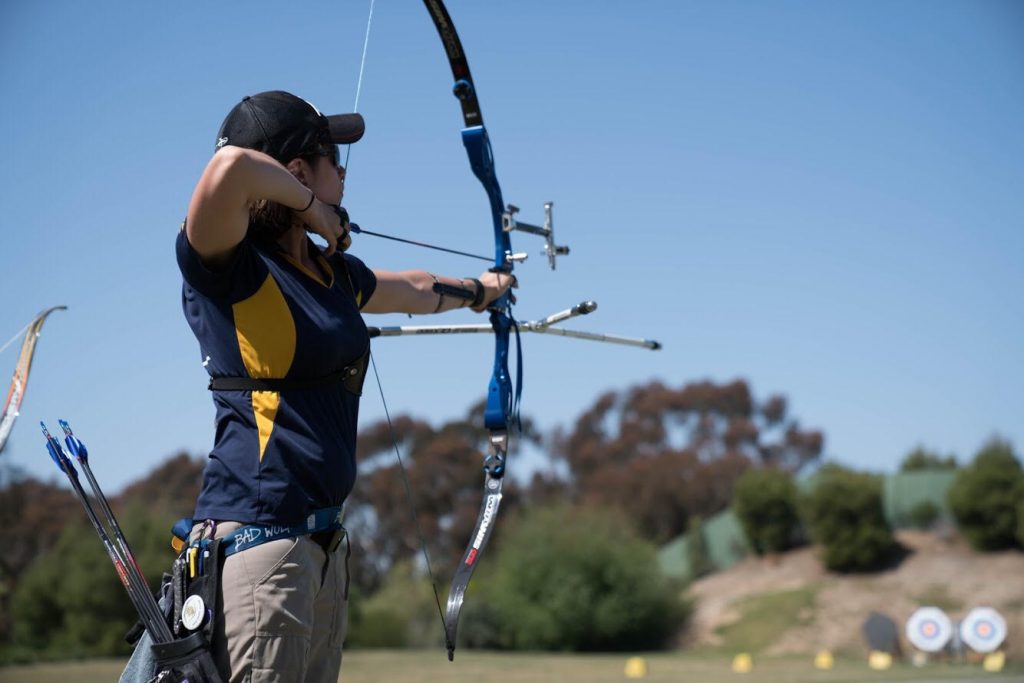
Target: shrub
{"type": "Point", "coordinates": [765, 502]}
{"type": "Point", "coordinates": [377, 627]}
{"type": "Point", "coordinates": [985, 496]}
{"type": "Point", "coordinates": [698, 554]}
{"type": "Point", "coordinates": [1020, 522]}
{"type": "Point", "coordinates": [402, 613]}
{"type": "Point", "coordinates": [844, 514]}
{"type": "Point", "coordinates": [581, 580]}
{"type": "Point", "coordinates": [923, 515]}
{"type": "Point", "coordinates": [921, 459]}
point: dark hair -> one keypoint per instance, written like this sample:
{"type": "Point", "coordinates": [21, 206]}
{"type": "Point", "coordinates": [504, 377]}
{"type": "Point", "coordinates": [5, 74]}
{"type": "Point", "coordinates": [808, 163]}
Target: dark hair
{"type": "Point", "coordinates": [269, 220]}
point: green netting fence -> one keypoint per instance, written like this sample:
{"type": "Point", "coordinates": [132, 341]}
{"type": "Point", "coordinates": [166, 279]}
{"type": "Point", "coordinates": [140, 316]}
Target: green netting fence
{"type": "Point", "coordinates": [902, 496]}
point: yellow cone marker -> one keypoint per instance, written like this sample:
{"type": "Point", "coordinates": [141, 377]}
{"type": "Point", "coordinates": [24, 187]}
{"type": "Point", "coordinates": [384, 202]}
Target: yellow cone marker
{"type": "Point", "coordinates": [824, 660]}
{"type": "Point", "coordinates": [742, 663]}
{"type": "Point", "coordinates": [994, 662]}
{"type": "Point", "coordinates": [636, 667]}
{"type": "Point", "coordinates": [879, 661]}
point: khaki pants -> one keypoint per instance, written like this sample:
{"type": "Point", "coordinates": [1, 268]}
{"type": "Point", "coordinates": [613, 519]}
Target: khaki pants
{"type": "Point", "coordinates": [283, 612]}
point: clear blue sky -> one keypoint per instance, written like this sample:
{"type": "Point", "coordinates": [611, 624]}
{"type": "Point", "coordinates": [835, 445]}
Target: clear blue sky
{"type": "Point", "coordinates": [826, 199]}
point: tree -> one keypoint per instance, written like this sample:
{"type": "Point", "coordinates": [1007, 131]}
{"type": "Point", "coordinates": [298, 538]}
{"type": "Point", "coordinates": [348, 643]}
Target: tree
{"type": "Point", "coordinates": [985, 496]}
{"type": "Point", "coordinates": [922, 459]}
{"type": "Point", "coordinates": [1020, 522]}
{"type": "Point", "coordinates": [34, 532]}
{"type": "Point", "coordinates": [443, 466]}
{"type": "Point", "coordinates": [578, 579]}
{"type": "Point", "coordinates": [662, 455]}
{"type": "Point", "coordinates": [171, 488]}
{"type": "Point", "coordinates": [71, 602]}
{"type": "Point", "coordinates": [765, 501]}
{"type": "Point", "coordinates": [32, 516]}
{"type": "Point", "coordinates": [844, 515]}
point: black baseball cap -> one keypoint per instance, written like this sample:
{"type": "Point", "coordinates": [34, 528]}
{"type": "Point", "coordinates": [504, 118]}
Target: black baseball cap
{"type": "Point", "coordinates": [285, 126]}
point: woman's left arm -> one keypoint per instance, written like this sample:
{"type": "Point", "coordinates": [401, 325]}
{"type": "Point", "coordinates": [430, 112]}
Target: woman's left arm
{"type": "Point", "coordinates": [412, 291]}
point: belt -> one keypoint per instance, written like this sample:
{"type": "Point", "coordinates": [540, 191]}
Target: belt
{"type": "Point", "coordinates": [322, 526]}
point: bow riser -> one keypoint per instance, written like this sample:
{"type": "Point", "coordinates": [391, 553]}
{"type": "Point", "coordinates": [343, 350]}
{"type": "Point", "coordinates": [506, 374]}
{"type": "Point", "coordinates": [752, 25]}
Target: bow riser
{"type": "Point", "coordinates": [497, 414]}
{"type": "Point", "coordinates": [481, 160]}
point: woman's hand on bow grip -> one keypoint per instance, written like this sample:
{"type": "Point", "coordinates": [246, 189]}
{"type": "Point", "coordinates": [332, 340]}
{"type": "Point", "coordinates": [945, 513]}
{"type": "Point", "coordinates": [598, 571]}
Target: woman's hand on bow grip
{"type": "Point", "coordinates": [495, 284]}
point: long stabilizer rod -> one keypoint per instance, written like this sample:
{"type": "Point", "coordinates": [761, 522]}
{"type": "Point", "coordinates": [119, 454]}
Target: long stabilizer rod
{"type": "Point", "coordinates": [542, 326]}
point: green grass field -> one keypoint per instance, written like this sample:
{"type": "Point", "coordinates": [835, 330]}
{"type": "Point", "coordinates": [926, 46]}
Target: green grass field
{"type": "Point", "coordinates": [420, 667]}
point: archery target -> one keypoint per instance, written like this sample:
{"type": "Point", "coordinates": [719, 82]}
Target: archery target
{"type": "Point", "coordinates": [983, 629]}
{"type": "Point", "coordinates": [929, 629]}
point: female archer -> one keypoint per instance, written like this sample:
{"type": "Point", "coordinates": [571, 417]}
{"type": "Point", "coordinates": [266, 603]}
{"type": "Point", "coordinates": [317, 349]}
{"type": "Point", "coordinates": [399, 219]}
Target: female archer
{"type": "Point", "coordinates": [279, 325]}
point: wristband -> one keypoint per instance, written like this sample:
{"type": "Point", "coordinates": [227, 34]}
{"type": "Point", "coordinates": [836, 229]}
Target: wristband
{"type": "Point", "coordinates": [440, 295]}
{"type": "Point", "coordinates": [459, 292]}
{"type": "Point", "coordinates": [478, 297]}
{"type": "Point", "coordinates": [312, 198]}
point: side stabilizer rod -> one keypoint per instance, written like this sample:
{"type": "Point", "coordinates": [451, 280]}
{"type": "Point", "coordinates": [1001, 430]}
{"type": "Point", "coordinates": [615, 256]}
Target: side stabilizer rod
{"type": "Point", "coordinates": [543, 326]}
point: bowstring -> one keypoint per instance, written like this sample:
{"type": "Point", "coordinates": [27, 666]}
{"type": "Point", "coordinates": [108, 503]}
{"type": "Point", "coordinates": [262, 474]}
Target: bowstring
{"type": "Point", "coordinates": [376, 374]}
{"type": "Point", "coordinates": [362, 71]}
{"type": "Point", "coordinates": [16, 336]}
{"type": "Point", "coordinates": [408, 495]}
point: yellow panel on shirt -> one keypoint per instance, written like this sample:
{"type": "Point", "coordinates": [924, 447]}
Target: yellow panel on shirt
{"type": "Point", "coordinates": [266, 339]}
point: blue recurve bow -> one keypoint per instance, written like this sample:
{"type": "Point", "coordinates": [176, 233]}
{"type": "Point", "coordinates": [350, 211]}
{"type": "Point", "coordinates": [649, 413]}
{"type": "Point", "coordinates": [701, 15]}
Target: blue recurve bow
{"type": "Point", "coordinates": [501, 413]}
{"type": "Point", "coordinates": [502, 406]}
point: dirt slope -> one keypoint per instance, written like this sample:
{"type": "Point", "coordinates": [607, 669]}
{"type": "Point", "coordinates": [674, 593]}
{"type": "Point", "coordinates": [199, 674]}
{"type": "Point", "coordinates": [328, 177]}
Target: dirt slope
{"type": "Point", "coordinates": [940, 571]}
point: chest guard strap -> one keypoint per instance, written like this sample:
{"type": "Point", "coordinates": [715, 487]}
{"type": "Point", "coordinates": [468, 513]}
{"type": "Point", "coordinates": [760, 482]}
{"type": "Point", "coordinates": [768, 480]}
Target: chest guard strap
{"type": "Point", "coordinates": [351, 377]}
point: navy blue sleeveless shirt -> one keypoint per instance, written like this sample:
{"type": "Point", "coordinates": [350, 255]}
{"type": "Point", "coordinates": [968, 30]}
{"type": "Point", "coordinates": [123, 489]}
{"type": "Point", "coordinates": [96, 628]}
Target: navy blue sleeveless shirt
{"type": "Point", "coordinates": [277, 456]}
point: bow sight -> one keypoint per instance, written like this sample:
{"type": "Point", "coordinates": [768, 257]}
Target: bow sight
{"type": "Point", "coordinates": [551, 250]}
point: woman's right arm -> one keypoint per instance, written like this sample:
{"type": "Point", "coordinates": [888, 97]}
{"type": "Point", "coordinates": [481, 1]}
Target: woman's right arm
{"type": "Point", "coordinates": [236, 178]}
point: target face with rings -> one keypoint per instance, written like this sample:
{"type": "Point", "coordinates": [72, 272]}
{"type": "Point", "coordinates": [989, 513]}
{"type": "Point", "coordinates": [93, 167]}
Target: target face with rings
{"type": "Point", "coordinates": [929, 629]}
{"type": "Point", "coordinates": [983, 629]}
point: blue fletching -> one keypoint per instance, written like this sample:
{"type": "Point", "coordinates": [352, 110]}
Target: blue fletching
{"type": "Point", "coordinates": [76, 447]}
{"type": "Point", "coordinates": [53, 454]}
{"type": "Point", "coordinates": [60, 457]}
{"type": "Point", "coordinates": [57, 453]}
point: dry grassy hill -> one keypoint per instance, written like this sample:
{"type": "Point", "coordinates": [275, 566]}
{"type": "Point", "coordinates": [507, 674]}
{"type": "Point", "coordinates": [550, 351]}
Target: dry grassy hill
{"type": "Point", "coordinates": [788, 604]}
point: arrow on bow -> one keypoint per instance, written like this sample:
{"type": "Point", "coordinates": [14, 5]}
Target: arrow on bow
{"type": "Point", "coordinates": [501, 413]}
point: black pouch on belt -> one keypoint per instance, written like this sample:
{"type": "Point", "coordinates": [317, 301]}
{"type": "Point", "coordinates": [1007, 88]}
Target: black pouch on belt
{"type": "Point", "coordinates": [185, 659]}
{"type": "Point", "coordinates": [194, 596]}
{"type": "Point", "coordinates": [200, 591]}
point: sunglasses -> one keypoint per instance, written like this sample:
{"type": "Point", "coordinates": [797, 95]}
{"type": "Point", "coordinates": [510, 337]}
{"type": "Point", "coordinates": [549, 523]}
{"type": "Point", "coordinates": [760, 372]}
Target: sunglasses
{"type": "Point", "coordinates": [332, 152]}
